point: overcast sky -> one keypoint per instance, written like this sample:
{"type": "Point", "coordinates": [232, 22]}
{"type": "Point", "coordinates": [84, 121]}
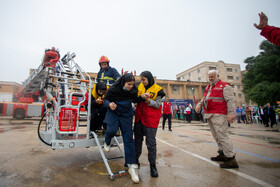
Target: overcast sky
{"type": "Point", "coordinates": [165, 37]}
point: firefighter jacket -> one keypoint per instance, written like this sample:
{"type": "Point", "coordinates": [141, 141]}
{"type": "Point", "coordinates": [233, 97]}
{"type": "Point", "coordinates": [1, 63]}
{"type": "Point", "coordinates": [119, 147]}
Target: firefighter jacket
{"type": "Point", "coordinates": [215, 103]}
{"type": "Point", "coordinates": [148, 115]}
{"type": "Point", "coordinates": [110, 74]}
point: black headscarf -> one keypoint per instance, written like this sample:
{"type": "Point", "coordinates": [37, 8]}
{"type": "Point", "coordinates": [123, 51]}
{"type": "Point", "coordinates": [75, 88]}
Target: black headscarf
{"type": "Point", "coordinates": [117, 92]}
{"type": "Point", "coordinates": [151, 82]}
{"type": "Point", "coordinates": [100, 86]}
{"type": "Point", "coordinates": [150, 78]}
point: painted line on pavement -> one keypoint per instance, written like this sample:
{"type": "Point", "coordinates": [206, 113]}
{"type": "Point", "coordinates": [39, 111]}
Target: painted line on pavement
{"type": "Point", "coordinates": [238, 150]}
{"type": "Point", "coordinates": [253, 179]}
{"type": "Point", "coordinates": [235, 140]}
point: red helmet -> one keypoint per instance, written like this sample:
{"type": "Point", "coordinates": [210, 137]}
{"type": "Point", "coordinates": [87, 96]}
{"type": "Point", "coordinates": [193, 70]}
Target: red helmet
{"type": "Point", "coordinates": [103, 59]}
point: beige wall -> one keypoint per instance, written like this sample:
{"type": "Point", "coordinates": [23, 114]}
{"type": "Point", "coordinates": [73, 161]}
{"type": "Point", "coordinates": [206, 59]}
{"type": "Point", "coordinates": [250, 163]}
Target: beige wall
{"type": "Point", "coordinates": [200, 73]}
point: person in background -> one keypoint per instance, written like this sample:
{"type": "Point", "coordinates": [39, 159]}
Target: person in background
{"type": "Point", "coordinates": [218, 103]}
{"type": "Point", "coordinates": [238, 114]}
{"type": "Point", "coordinates": [188, 112]}
{"type": "Point", "coordinates": [261, 115]}
{"type": "Point", "coordinates": [272, 34]}
{"type": "Point", "coordinates": [147, 118]}
{"type": "Point", "coordinates": [167, 114]}
{"type": "Point", "coordinates": [277, 110]}
{"type": "Point", "coordinates": [248, 115]}
{"type": "Point", "coordinates": [243, 114]}
{"type": "Point", "coordinates": [178, 113]}
{"type": "Point", "coordinates": [106, 73]}
{"type": "Point", "coordinates": [269, 115]}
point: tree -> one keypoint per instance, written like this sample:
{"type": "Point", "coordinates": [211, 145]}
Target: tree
{"type": "Point", "coordinates": [262, 80]}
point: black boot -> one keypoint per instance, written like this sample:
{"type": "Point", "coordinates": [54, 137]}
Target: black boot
{"type": "Point", "coordinates": [220, 157]}
{"type": "Point", "coordinates": [229, 163]}
{"type": "Point", "coordinates": [154, 172]}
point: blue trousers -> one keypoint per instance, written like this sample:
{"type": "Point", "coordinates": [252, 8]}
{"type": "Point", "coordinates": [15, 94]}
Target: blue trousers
{"type": "Point", "coordinates": [125, 125]}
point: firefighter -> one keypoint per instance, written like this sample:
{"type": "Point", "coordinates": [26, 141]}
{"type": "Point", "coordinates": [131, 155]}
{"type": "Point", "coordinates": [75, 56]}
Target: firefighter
{"type": "Point", "coordinates": [106, 72]}
{"type": "Point", "coordinates": [51, 57]}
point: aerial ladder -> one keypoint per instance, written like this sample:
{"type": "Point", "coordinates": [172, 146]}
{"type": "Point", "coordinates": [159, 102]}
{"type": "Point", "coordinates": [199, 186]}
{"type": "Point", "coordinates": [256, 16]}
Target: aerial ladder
{"type": "Point", "coordinates": [58, 84]}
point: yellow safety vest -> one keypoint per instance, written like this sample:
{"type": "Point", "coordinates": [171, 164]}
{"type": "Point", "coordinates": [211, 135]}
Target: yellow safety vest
{"type": "Point", "coordinates": [153, 90]}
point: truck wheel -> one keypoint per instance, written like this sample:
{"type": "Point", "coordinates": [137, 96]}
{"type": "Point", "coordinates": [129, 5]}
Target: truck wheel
{"type": "Point", "coordinates": [19, 113]}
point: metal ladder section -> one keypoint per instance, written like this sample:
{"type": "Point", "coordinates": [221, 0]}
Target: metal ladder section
{"type": "Point", "coordinates": [33, 82]}
{"type": "Point", "coordinates": [105, 160]}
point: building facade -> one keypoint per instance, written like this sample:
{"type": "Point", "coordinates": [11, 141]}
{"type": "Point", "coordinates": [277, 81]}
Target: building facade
{"type": "Point", "coordinates": [230, 73]}
{"type": "Point", "coordinates": [8, 90]}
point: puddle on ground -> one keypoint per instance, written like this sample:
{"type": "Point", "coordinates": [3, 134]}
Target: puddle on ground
{"type": "Point", "coordinates": [260, 164]}
{"type": "Point", "coordinates": [99, 167]}
{"type": "Point", "coordinates": [7, 178]}
{"type": "Point", "coordinates": [2, 130]}
{"type": "Point", "coordinates": [275, 141]}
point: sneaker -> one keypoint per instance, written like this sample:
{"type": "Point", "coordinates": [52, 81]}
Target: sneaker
{"type": "Point", "coordinates": [107, 147]}
{"type": "Point", "coordinates": [133, 171]}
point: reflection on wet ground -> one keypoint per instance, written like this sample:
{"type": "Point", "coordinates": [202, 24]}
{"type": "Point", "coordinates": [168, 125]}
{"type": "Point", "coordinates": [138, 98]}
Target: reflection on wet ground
{"type": "Point", "coordinates": [6, 129]}
{"type": "Point", "coordinates": [6, 178]}
{"type": "Point", "coordinates": [272, 140]}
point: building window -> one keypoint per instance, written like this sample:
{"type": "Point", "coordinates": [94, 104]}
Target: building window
{"type": "Point", "coordinates": [237, 78]}
{"type": "Point", "coordinates": [190, 90]}
{"type": "Point", "coordinates": [229, 69]}
{"type": "Point", "coordinates": [189, 74]}
{"type": "Point", "coordinates": [199, 78]}
{"type": "Point", "coordinates": [183, 77]}
{"type": "Point", "coordinates": [198, 71]}
{"type": "Point", "coordinates": [230, 77]}
{"type": "Point", "coordinates": [238, 86]}
{"type": "Point", "coordinates": [236, 70]}
{"type": "Point", "coordinates": [239, 94]}
{"type": "Point", "coordinates": [212, 68]}
{"type": "Point", "coordinates": [234, 94]}
{"type": "Point", "coordinates": [232, 86]}
{"type": "Point", "coordinates": [175, 89]}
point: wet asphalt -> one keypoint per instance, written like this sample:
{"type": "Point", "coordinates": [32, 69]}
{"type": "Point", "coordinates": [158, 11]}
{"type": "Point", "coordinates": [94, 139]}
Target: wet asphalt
{"type": "Point", "coordinates": [183, 158]}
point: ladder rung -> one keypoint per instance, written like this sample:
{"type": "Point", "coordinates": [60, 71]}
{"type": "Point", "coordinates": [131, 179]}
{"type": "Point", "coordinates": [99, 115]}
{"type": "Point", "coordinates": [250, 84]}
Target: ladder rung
{"type": "Point", "coordinates": [115, 158]}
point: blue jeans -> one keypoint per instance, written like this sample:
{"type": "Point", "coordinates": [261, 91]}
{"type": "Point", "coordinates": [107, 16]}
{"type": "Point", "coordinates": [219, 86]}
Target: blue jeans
{"type": "Point", "coordinates": [125, 125]}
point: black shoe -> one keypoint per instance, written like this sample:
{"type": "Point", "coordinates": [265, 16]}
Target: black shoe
{"type": "Point", "coordinates": [229, 163]}
{"type": "Point", "coordinates": [170, 130]}
{"type": "Point", "coordinates": [154, 172]}
{"type": "Point", "coordinates": [220, 157]}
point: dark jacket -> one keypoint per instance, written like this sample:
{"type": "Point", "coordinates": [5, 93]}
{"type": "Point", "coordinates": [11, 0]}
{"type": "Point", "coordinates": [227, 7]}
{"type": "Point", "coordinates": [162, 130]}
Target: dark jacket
{"type": "Point", "coordinates": [270, 115]}
{"type": "Point", "coordinates": [123, 112]}
{"type": "Point", "coordinates": [109, 73]}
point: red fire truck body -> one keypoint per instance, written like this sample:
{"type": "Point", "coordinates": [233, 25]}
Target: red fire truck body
{"type": "Point", "coordinates": [21, 110]}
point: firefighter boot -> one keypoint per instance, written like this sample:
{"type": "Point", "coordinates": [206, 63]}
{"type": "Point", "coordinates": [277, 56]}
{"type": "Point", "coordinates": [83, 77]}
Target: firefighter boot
{"type": "Point", "coordinates": [220, 157]}
{"type": "Point", "coordinates": [154, 172]}
{"type": "Point", "coordinates": [230, 163]}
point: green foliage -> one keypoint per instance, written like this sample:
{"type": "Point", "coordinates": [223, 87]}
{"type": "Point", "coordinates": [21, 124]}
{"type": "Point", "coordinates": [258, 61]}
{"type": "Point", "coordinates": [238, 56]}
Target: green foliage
{"type": "Point", "coordinates": [262, 81]}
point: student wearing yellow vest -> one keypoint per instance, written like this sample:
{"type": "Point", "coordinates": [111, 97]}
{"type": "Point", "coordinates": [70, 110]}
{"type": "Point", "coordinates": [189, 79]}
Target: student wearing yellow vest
{"type": "Point", "coordinates": [147, 118]}
{"type": "Point", "coordinates": [98, 109]}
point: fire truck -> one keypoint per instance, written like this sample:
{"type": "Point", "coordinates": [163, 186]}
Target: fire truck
{"type": "Point", "coordinates": [62, 86]}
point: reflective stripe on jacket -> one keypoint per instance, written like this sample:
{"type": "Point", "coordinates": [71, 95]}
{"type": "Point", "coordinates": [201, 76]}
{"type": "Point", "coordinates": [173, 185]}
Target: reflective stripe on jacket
{"type": "Point", "coordinates": [216, 103]}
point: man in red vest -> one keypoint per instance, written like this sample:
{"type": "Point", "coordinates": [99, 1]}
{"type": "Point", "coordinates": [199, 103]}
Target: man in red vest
{"type": "Point", "coordinates": [218, 104]}
{"type": "Point", "coordinates": [166, 111]}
